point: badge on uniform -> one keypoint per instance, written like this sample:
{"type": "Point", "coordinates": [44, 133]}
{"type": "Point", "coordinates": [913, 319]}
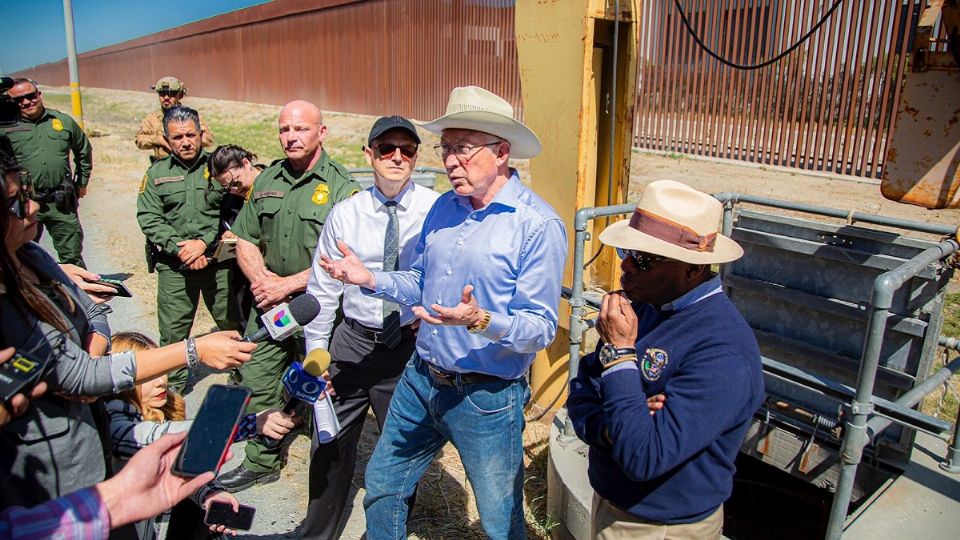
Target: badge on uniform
{"type": "Point", "coordinates": [321, 195]}
{"type": "Point", "coordinates": [143, 184]}
{"type": "Point", "coordinates": [652, 364]}
{"type": "Point", "coordinates": [56, 124]}
{"type": "Point", "coordinates": [206, 174]}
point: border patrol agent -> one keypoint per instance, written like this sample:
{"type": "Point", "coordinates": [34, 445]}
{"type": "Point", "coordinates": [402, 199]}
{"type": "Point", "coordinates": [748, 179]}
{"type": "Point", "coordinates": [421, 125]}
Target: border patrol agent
{"type": "Point", "coordinates": [277, 231]}
{"type": "Point", "coordinates": [170, 90]}
{"type": "Point", "coordinates": [179, 212]}
{"type": "Point", "coordinates": [43, 142]}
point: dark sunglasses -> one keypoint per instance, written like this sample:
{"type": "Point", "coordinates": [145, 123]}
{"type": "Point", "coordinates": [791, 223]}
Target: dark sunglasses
{"type": "Point", "coordinates": [20, 203]}
{"type": "Point", "coordinates": [643, 260]}
{"type": "Point", "coordinates": [386, 150]}
{"type": "Point", "coordinates": [26, 97]}
{"type": "Point", "coordinates": [168, 93]}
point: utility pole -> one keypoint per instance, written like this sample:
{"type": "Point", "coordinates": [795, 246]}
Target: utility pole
{"type": "Point", "coordinates": [72, 63]}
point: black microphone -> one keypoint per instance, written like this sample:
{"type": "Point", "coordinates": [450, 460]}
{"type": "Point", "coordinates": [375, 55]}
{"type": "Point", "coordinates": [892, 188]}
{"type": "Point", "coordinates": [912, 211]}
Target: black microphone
{"type": "Point", "coordinates": [285, 319]}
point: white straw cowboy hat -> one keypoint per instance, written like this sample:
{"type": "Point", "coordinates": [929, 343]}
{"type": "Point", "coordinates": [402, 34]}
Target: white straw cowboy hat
{"type": "Point", "coordinates": [476, 109]}
{"type": "Point", "coordinates": [675, 221]}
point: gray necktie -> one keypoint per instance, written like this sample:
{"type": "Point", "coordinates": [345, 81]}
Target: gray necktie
{"type": "Point", "coordinates": [390, 335]}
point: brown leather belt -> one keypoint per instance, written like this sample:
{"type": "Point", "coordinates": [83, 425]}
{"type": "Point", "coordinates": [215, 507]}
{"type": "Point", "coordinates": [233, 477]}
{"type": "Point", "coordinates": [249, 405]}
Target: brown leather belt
{"type": "Point", "coordinates": [375, 334]}
{"type": "Point", "coordinates": [450, 379]}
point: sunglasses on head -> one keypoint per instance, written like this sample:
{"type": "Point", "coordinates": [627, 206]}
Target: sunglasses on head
{"type": "Point", "coordinates": [20, 202]}
{"type": "Point", "coordinates": [26, 97]}
{"type": "Point", "coordinates": [386, 150]}
{"type": "Point", "coordinates": [644, 261]}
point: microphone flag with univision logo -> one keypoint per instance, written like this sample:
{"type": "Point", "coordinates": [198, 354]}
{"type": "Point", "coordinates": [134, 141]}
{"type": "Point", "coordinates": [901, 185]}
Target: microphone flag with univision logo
{"type": "Point", "coordinates": [279, 322]}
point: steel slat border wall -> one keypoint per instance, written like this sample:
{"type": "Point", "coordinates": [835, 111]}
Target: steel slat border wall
{"type": "Point", "coordinates": [829, 106]}
{"type": "Point", "coordinates": [373, 57]}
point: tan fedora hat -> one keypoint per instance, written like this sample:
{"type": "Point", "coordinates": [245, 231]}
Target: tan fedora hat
{"type": "Point", "coordinates": [675, 221]}
{"type": "Point", "coordinates": [476, 109]}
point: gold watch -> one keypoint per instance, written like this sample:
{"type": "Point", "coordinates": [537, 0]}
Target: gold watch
{"type": "Point", "coordinates": [481, 326]}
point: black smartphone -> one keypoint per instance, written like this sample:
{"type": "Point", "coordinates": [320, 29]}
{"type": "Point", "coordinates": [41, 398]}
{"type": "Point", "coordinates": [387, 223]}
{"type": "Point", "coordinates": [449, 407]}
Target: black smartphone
{"type": "Point", "coordinates": [221, 513]}
{"type": "Point", "coordinates": [118, 285]}
{"type": "Point", "coordinates": [19, 374]}
{"type": "Point", "coordinates": [212, 431]}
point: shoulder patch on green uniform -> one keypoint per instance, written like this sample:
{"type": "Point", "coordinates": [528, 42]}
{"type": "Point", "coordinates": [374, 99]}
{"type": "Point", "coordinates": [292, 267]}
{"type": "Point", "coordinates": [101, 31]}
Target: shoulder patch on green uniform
{"type": "Point", "coordinates": [354, 192]}
{"type": "Point", "coordinates": [168, 179]}
{"type": "Point", "coordinates": [267, 194]}
{"type": "Point", "coordinates": [143, 184]}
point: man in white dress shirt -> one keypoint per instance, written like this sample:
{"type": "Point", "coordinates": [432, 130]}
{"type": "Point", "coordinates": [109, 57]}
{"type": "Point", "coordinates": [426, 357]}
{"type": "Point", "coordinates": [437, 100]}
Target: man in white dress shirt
{"type": "Point", "coordinates": [376, 338]}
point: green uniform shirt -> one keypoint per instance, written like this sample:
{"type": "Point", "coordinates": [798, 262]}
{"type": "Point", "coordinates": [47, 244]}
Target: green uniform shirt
{"type": "Point", "coordinates": [43, 148]}
{"type": "Point", "coordinates": [178, 203]}
{"type": "Point", "coordinates": [286, 212]}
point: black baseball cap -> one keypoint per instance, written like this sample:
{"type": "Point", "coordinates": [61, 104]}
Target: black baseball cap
{"type": "Point", "coordinates": [386, 123]}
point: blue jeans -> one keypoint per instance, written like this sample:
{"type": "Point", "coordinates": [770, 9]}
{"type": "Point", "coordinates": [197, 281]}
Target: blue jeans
{"type": "Point", "coordinates": [484, 421]}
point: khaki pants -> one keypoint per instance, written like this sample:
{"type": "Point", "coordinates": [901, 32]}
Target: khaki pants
{"type": "Point", "coordinates": [612, 523]}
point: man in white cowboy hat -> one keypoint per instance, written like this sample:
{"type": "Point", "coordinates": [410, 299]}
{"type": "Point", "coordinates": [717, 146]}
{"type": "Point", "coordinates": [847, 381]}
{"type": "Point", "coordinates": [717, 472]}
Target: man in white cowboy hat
{"type": "Point", "coordinates": [486, 285]}
{"type": "Point", "coordinates": [671, 331]}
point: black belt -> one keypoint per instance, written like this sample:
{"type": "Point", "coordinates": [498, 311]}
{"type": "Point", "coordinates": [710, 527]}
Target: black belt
{"type": "Point", "coordinates": [450, 379]}
{"type": "Point", "coordinates": [375, 334]}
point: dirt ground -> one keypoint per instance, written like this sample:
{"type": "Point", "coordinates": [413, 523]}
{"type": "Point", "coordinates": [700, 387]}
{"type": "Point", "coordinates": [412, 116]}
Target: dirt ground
{"type": "Point", "coordinates": [444, 506]}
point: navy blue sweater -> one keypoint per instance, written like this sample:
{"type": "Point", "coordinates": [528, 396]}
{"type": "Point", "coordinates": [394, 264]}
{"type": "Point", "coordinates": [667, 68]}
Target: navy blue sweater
{"type": "Point", "coordinates": [676, 466]}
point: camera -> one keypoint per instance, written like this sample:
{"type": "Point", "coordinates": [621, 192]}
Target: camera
{"type": "Point", "coordinates": [9, 112]}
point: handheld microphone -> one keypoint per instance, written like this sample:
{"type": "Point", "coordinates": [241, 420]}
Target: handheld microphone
{"type": "Point", "coordinates": [285, 319]}
{"type": "Point", "coordinates": [303, 382]}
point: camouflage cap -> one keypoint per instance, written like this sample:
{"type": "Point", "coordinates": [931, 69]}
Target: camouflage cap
{"type": "Point", "coordinates": [169, 84]}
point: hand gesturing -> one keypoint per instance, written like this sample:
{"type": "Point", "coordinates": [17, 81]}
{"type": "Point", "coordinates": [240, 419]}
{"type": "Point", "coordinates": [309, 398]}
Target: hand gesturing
{"type": "Point", "coordinates": [466, 313]}
{"type": "Point", "coordinates": [349, 269]}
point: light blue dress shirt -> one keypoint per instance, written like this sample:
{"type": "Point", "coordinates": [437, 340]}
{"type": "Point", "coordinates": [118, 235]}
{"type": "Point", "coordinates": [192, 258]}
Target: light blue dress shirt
{"type": "Point", "coordinates": [512, 252]}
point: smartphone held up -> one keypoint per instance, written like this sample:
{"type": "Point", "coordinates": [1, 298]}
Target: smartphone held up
{"type": "Point", "coordinates": [212, 431]}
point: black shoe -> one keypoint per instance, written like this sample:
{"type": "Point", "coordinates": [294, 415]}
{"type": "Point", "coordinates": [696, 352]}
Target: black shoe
{"type": "Point", "coordinates": [241, 478]}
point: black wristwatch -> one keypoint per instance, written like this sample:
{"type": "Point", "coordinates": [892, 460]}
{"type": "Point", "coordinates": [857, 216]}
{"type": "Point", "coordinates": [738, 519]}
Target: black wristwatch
{"type": "Point", "coordinates": [609, 354]}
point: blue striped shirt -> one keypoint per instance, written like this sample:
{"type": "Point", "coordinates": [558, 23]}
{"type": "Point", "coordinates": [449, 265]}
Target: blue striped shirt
{"type": "Point", "coordinates": [512, 251]}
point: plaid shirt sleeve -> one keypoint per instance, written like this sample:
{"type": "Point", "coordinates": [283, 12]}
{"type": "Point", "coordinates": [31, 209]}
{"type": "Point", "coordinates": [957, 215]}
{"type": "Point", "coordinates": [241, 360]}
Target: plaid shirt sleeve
{"type": "Point", "coordinates": [79, 515]}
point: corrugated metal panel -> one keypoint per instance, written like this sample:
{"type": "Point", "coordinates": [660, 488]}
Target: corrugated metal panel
{"type": "Point", "coordinates": [377, 57]}
{"type": "Point", "coordinates": [828, 106]}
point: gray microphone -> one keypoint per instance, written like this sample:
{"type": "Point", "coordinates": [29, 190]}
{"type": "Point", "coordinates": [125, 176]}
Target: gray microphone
{"type": "Point", "coordinates": [285, 319]}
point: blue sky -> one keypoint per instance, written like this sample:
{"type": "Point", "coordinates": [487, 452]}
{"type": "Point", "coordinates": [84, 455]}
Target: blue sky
{"type": "Point", "coordinates": [33, 31]}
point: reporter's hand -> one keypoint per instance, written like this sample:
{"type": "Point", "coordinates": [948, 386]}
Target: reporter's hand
{"type": "Point", "coordinates": [222, 496]}
{"type": "Point", "coordinates": [84, 278]}
{"type": "Point", "coordinates": [328, 389]}
{"type": "Point", "coordinates": [145, 487]}
{"type": "Point", "coordinates": [274, 423]}
{"type": "Point", "coordinates": [224, 350]}
{"type": "Point", "coordinates": [19, 403]}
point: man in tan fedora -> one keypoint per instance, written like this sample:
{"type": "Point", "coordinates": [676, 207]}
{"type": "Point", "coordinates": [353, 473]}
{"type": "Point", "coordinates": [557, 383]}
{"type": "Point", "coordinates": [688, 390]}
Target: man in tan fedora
{"type": "Point", "coordinates": [671, 331]}
{"type": "Point", "coordinates": [170, 91]}
{"type": "Point", "coordinates": [485, 283]}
